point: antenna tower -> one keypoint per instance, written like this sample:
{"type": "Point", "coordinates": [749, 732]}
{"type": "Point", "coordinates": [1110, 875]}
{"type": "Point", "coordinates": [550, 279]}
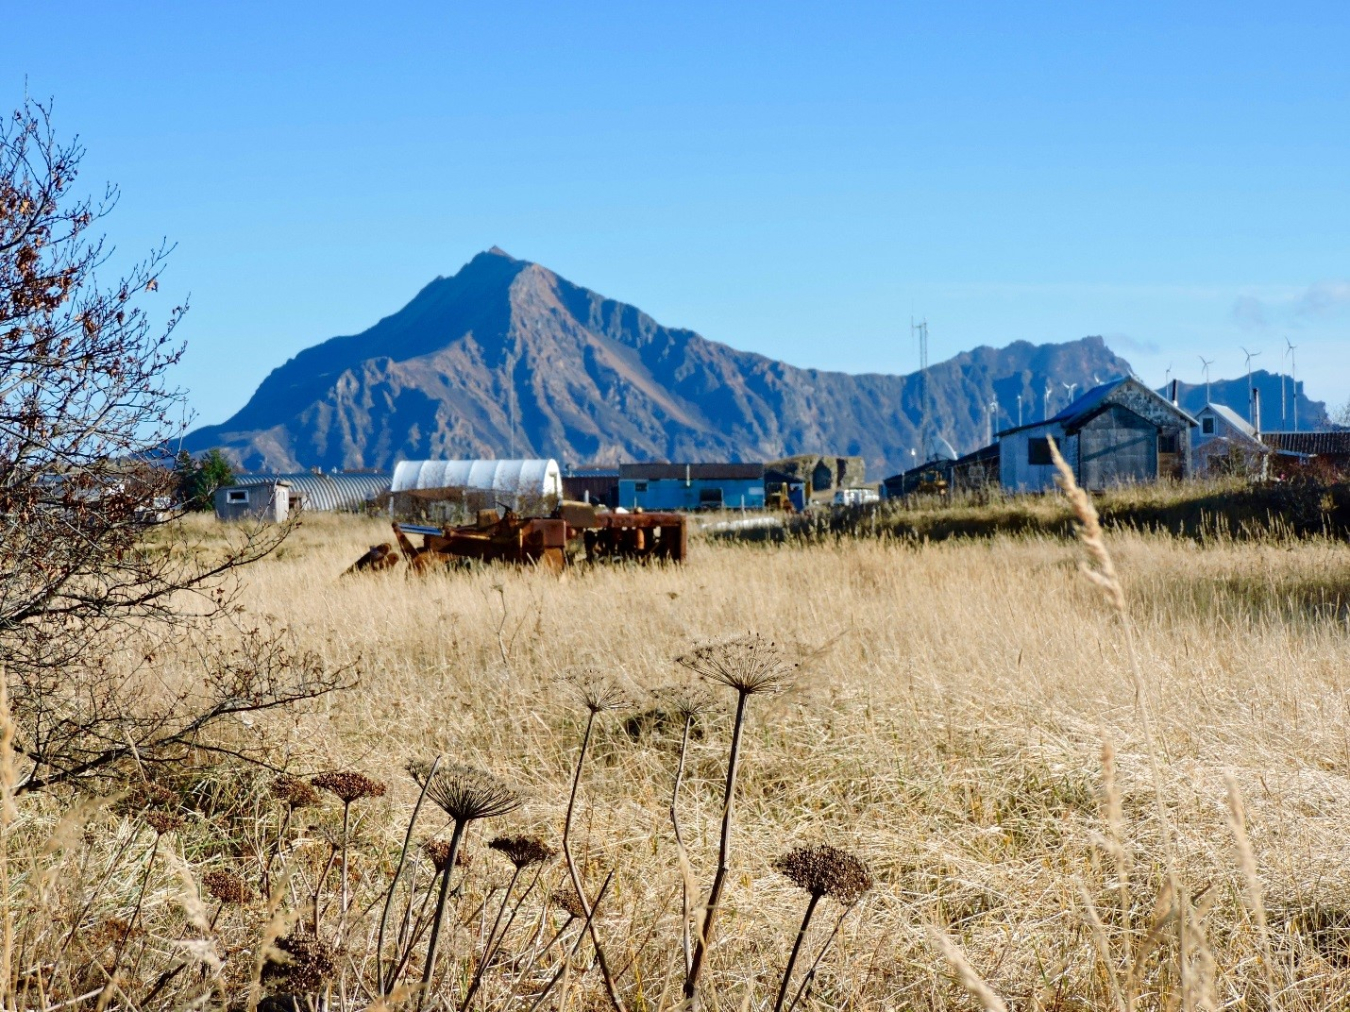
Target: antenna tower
{"type": "Point", "coordinates": [1293, 378]}
{"type": "Point", "coordinates": [920, 333]}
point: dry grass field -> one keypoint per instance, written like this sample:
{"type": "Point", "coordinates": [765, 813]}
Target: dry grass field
{"type": "Point", "coordinates": [964, 719]}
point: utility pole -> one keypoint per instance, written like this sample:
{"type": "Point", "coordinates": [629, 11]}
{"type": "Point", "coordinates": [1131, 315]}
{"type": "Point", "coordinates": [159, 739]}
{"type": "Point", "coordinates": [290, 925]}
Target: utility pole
{"type": "Point", "coordinates": [1205, 363]}
{"type": "Point", "coordinates": [1293, 378]}
{"type": "Point", "coordinates": [920, 332]}
{"type": "Point", "coordinates": [1251, 401]}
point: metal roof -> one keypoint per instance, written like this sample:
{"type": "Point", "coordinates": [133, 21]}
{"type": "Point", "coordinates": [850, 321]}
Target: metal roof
{"type": "Point", "coordinates": [1313, 444]}
{"type": "Point", "coordinates": [325, 493]}
{"type": "Point", "coordinates": [1231, 417]}
{"type": "Point", "coordinates": [510, 477]}
{"type": "Point", "coordinates": [591, 472]}
{"type": "Point", "coordinates": [692, 472]}
{"type": "Point", "coordinates": [1087, 405]}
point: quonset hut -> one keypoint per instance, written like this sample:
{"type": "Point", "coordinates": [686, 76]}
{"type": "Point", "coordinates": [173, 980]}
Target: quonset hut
{"type": "Point", "coordinates": [256, 495]}
{"type": "Point", "coordinates": [453, 491]}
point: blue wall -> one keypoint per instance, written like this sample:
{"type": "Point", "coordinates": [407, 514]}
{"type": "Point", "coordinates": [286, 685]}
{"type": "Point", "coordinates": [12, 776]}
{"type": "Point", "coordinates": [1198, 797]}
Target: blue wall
{"type": "Point", "coordinates": [677, 494]}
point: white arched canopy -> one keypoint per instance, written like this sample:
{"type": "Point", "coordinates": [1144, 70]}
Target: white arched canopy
{"type": "Point", "coordinates": [515, 478]}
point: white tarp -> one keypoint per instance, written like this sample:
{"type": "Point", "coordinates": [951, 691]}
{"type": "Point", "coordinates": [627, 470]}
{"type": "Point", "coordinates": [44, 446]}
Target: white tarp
{"type": "Point", "coordinates": [517, 478]}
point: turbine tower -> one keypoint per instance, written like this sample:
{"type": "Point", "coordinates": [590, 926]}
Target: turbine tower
{"type": "Point", "coordinates": [1293, 378]}
{"type": "Point", "coordinates": [1045, 408]}
{"type": "Point", "coordinates": [1251, 401]}
{"type": "Point", "coordinates": [920, 332]}
{"type": "Point", "coordinates": [1205, 363]}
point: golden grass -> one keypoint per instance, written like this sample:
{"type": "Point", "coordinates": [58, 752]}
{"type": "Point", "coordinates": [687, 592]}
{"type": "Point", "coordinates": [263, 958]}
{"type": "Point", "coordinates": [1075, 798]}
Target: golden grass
{"type": "Point", "coordinates": [949, 728]}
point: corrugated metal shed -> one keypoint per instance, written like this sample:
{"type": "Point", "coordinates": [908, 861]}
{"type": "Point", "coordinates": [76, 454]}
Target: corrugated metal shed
{"type": "Point", "coordinates": [1321, 444]}
{"type": "Point", "coordinates": [326, 493]}
{"type": "Point", "coordinates": [529, 478]}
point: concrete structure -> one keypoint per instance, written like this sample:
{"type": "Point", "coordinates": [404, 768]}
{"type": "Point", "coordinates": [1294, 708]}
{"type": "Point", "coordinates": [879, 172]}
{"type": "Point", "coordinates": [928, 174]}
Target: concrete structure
{"type": "Point", "coordinates": [453, 491]}
{"type": "Point", "coordinates": [691, 486]}
{"type": "Point", "coordinates": [263, 500]}
{"type": "Point", "coordinates": [1115, 434]}
{"type": "Point", "coordinates": [824, 472]}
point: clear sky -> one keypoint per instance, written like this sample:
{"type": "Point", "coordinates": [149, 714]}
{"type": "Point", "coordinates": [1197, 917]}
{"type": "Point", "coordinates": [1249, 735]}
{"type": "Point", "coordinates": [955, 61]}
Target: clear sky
{"type": "Point", "coordinates": [791, 179]}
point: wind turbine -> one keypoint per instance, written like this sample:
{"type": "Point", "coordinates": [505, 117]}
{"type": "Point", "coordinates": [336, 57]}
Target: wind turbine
{"type": "Point", "coordinates": [1293, 378]}
{"type": "Point", "coordinates": [993, 414]}
{"type": "Point", "coordinates": [1168, 377]}
{"type": "Point", "coordinates": [1045, 408]}
{"type": "Point", "coordinates": [1205, 363]}
{"type": "Point", "coordinates": [1071, 387]}
{"type": "Point", "coordinates": [1251, 401]}
{"type": "Point", "coordinates": [1019, 411]}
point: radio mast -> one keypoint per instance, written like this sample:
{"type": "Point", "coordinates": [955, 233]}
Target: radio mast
{"type": "Point", "coordinates": [920, 333]}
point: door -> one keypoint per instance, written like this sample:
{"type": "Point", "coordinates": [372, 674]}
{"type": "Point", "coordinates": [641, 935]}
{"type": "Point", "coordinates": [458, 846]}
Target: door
{"type": "Point", "coordinates": [1117, 447]}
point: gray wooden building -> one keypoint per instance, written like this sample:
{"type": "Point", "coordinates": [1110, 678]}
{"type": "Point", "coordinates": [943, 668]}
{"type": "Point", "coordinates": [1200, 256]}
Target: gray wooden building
{"type": "Point", "coordinates": [1119, 433]}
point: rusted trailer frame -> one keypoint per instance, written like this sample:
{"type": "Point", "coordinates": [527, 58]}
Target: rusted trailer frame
{"type": "Point", "coordinates": [544, 541]}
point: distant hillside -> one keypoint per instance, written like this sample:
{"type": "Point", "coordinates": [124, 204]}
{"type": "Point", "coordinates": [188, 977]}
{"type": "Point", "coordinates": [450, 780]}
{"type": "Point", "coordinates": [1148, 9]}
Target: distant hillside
{"type": "Point", "coordinates": [507, 357]}
{"type": "Point", "coordinates": [1233, 393]}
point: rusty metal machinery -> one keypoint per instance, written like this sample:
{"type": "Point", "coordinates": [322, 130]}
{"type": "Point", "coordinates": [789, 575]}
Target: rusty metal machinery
{"type": "Point", "coordinates": [550, 541]}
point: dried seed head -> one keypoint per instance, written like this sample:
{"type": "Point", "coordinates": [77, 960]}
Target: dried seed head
{"type": "Point", "coordinates": [465, 793]}
{"type": "Point", "coordinates": [294, 792]}
{"type": "Point", "coordinates": [439, 853]}
{"type": "Point", "coordinates": [823, 870]}
{"type": "Point", "coordinates": [523, 851]}
{"type": "Point", "coordinates": [306, 963]}
{"type": "Point", "coordinates": [226, 887]}
{"type": "Point", "coordinates": [684, 702]}
{"type": "Point", "coordinates": [749, 664]}
{"type": "Point", "coordinates": [566, 899]}
{"type": "Point", "coordinates": [598, 692]}
{"type": "Point", "coordinates": [350, 786]}
{"type": "Point", "coordinates": [163, 822]}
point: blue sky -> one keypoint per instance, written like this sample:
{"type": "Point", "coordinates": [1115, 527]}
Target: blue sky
{"type": "Point", "coordinates": [791, 179]}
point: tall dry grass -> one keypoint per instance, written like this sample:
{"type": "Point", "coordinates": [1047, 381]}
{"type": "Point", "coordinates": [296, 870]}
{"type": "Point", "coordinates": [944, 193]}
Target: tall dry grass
{"type": "Point", "coordinates": [949, 726]}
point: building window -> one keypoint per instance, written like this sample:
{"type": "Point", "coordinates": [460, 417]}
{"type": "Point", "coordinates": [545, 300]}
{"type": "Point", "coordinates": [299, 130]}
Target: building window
{"type": "Point", "coordinates": [1167, 442]}
{"type": "Point", "coordinates": [639, 486]}
{"type": "Point", "coordinates": [237, 496]}
{"type": "Point", "coordinates": [1038, 452]}
{"type": "Point", "coordinates": [1207, 426]}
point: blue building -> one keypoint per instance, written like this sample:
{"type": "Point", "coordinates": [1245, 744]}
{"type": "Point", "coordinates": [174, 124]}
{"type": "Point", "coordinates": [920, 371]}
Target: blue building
{"type": "Point", "coordinates": [691, 486]}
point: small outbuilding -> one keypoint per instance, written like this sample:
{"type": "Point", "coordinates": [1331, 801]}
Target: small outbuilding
{"type": "Point", "coordinates": [1327, 453]}
{"type": "Point", "coordinates": [691, 486]}
{"type": "Point", "coordinates": [599, 485]}
{"type": "Point", "coordinates": [267, 500]}
{"type": "Point", "coordinates": [1118, 433]}
{"type": "Point", "coordinates": [326, 492]}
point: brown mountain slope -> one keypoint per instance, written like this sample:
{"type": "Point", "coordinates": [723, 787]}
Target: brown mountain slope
{"type": "Point", "coordinates": [507, 357]}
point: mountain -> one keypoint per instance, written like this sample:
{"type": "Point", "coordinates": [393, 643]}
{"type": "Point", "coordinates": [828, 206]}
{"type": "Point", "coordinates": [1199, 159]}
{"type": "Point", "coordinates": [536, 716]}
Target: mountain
{"type": "Point", "coordinates": [1277, 410]}
{"type": "Point", "coordinates": [506, 358]}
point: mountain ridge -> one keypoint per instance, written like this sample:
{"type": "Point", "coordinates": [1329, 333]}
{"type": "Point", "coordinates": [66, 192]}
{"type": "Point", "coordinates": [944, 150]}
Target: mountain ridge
{"type": "Point", "coordinates": [506, 355]}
